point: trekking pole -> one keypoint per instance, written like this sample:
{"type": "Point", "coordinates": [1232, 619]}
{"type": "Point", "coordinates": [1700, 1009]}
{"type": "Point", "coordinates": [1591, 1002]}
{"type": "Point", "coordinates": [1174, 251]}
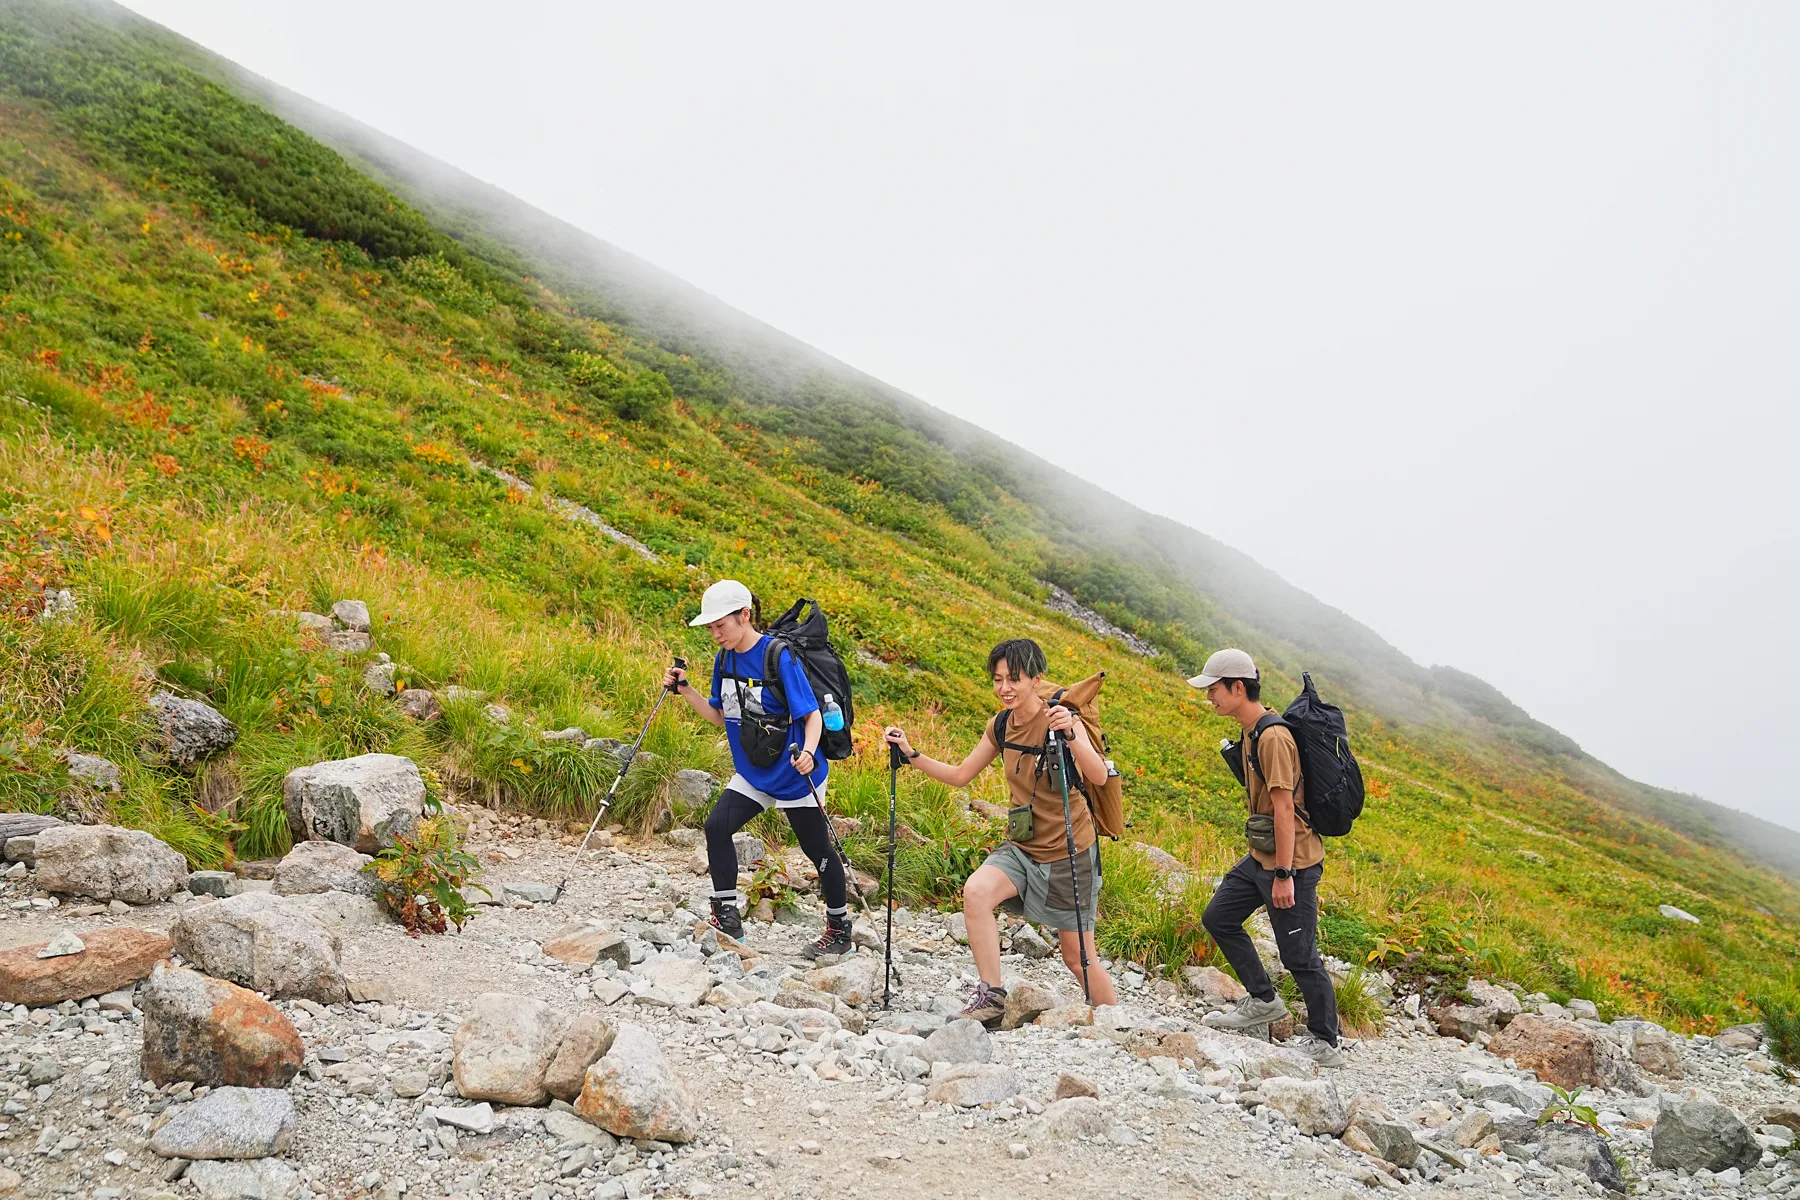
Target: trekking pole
{"type": "Point", "coordinates": [1060, 756]}
{"type": "Point", "coordinates": [630, 757]}
{"type": "Point", "coordinates": [896, 760]}
{"type": "Point", "coordinates": [837, 846]}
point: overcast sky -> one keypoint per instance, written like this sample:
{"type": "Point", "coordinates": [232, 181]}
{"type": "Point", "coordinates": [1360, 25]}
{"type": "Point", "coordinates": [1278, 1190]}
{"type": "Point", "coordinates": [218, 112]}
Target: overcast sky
{"type": "Point", "coordinates": [1483, 326]}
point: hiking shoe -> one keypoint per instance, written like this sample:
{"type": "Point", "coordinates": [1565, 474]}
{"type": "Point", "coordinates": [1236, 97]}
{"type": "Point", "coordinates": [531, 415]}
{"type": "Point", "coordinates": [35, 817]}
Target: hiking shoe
{"type": "Point", "coordinates": [726, 919]}
{"type": "Point", "coordinates": [1246, 1013]}
{"type": "Point", "coordinates": [987, 1005]}
{"type": "Point", "coordinates": [835, 939]}
{"type": "Point", "coordinates": [1320, 1051]}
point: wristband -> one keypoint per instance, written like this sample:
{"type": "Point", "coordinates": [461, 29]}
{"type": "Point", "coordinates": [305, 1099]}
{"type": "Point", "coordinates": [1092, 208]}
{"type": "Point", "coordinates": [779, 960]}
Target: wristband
{"type": "Point", "coordinates": [915, 754]}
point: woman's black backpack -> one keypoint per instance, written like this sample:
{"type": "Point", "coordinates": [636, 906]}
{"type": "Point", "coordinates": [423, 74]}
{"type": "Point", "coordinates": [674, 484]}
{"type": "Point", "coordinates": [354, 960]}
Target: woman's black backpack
{"type": "Point", "coordinates": [1334, 784]}
{"type": "Point", "coordinates": [802, 631]}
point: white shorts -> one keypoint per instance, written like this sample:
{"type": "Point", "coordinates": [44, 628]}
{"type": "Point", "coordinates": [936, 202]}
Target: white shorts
{"type": "Point", "coordinates": [738, 784]}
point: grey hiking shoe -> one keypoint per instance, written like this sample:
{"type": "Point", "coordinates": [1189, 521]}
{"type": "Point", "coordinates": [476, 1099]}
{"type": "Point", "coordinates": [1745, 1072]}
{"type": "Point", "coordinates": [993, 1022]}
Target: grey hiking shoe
{"type": "Point", "coordinates": [1321, 1052]}
{"type": "Point", "coordinates": [1246, 1013]}
{"type": "Point", "coordinates": [987, 1005]}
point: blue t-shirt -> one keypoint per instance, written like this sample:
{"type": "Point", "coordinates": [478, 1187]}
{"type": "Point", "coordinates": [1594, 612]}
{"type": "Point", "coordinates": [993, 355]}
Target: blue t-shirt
{"type": "Point", "coordinates": [729, 695]}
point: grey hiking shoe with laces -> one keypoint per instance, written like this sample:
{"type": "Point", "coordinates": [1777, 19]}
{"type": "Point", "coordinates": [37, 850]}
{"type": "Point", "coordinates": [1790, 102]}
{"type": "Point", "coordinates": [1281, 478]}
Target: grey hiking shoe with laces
{"type": "Point", "coordinates": [1321, 1052]}
{"type": "Point", "coordinates": [1247, 1013]}
{"type": "Point", "coordinates": [987, 1005]}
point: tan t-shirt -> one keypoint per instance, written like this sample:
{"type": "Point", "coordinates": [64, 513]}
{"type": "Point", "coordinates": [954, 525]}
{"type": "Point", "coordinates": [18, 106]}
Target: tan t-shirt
{"type": "Point", "coordinates": [1280, 759]}
{"type": "Point", "coordinates": [1049, 842]}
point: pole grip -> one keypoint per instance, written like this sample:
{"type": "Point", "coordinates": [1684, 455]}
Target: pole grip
{"type": "Point", "coordinates": [680, 664]}
{"type": "Point", "coordinates": [896, 757]}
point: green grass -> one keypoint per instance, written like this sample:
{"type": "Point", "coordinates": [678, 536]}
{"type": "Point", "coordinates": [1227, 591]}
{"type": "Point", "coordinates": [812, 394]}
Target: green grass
{"type": "Point", "coordinates": [265, 391]}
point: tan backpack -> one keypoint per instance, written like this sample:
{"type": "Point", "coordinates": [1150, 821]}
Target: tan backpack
{"type": "Point", "coordinates": [1106, 803]}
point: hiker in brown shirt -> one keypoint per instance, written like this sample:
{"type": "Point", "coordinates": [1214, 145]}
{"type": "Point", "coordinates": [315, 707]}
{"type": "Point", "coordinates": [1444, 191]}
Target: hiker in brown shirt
{"type": "Point", "coordinates": [1280, 873]}
{"type": "Point", "coordinates": [1030, 874]}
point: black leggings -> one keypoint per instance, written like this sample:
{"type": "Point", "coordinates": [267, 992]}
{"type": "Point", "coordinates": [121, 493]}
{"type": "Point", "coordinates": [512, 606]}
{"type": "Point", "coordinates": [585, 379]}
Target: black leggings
{"type": "Point", "coordinates": [735, 810]}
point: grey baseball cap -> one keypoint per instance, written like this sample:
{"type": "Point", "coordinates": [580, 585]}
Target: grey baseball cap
{"type": "Point", "coordinates": [1225, 664]}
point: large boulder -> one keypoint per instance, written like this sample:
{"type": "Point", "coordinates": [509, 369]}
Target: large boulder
{"type": "Point", "coordinates": [266, 942]}
{"type": "Point", "coordinates": [111, 959]}
{"type": "Point", "coordinates": [584, 943]}
{"type": "Point", "coordinates": [692, 788]}
{"type": "Point", "coordinates": [1693, 1135]}
{"type": "Point", "coordinates": [1313, 1105]}
{"type": "Point", "coordinates": [228, 1122]}
{"type": "Point", "coordinates": [631, 1092]}
{"type": "Point", "coordinates": [363, 802]}
{"type": "Point", "coordinates": [1026, 1002]}
{"type": "Point", "coordinates": [352, 615]}
{"type": "Point", "coordinates": [188, 732]}
{"type": "Point", "coordinates": [1378, 1133]}
{"type": "Point", "coordinates": [312, 867]}
{"type": "Point", "coordinates": [1566, 1054]}
{"type": "Point", "coordinates": [108, 863]}
{"type": "Point", "coordinates": [1466, 1021]}
{"type": "Point", "coordinates": [207, 1031]}
{"type": "Point", "coordinates": [1214, 986]}
{"type": "Point", "coordinates": [1502, 1003]}
{"type": "Point", "coordinates": [583, 1043]}
{"type": "Point", "coordinates": [504, 1047]}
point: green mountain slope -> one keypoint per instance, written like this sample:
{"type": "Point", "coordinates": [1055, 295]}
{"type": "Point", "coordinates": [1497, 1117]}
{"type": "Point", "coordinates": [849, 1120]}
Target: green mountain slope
{"type": "Point", "coordinates": [241, 375]}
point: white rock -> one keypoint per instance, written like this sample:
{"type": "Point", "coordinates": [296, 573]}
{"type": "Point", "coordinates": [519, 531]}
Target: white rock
{"type": "Point", "coordinates": [108, 863]}
{"type": "Point", "coordinates": [63, 944]}
{"type": "Point", "coordinates": [323, 866]}
{"type": "Point", "coordinates": [257, 1179]}
{"type": "Point", "coordinates": [363, 802]}
{"type": "Point", "coordinates": [504, 1047]}
{"type": "Point", "coordinates": [263, 941]}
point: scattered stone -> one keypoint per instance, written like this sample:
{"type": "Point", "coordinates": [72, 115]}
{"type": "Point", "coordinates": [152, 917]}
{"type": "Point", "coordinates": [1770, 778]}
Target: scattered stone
{"type": "Point", "coordinates": [568, 1127]}
{"type": "Point", "coordinates": [229, 1122]}
{"type": "Point", "coordinates": [218, 884]}
{"type": "Point", "coordinates": [108, 863]}
{"type": "Point", "coordinates": [324, 866]}
{"type": "Point", "coordinates": [1065, 1016]}
{"type": "Point", "coordinates": [530, 892]}
{"type": "Point", "coordinates": [1489, 1085]}
{"type": "Point", "coordinates": [352, 615]}
{"type": "Point", "coordinates": [347, 641]}
{"type": "Point", "coordinates": [378, 677]}
{"type": "Point", "coordinates": [1028, 941]}
{"type": "Point", "coordinates": [1387, 1139]}
{"type": "Point", "coordinates": [1214, 986]}
{"type": "Point", "coordinates": [263, 941]}
{"type": "Point", "coordinates": [472, 1118]}
{"type": "Point", "coordinates": [1561, 1145]}
{"type": "Point", "coordinates": [631, 1092]}
{"type": "Point", "coordinates": [970, 1085]}
{"type": "Point", "coordinates": [208, 1031]}
{"type": "Point", "coordinates": [573, 733]}
{"type": "Point", "coordinates": [365, 801]}
{"type": "Point", "coordinates": [1077, 1116]}
{"type": "Point", "coordinates": [1784, 1113]}
{"type": "Point", "coordinates": [584, 943]}
{"type": "Point", "coordinates": [750, 851]}
{"type": "Point", "coordinates": [101, 774]}
{"type": "Point", "coordinates": [1070, 1084]}
{"type": "Point", "coordinates": [584, 1042]}
{"type": "Point", "coordinates": [1504, 1005]}
{"type": "Point", "coordinates": [1676, 914]}
{"type": "Point", "coordinates": [257, 1179]}
{"type": "Point", "coordinates": [312, 622]}
{"type": "Point", "coordinates": [1466, 1021]}
{"type": "Point", "coordinates": [419, 704]}
{"type": "Point", "coordinates": [691, 788]}
{"type": "Point", "coordinates": [503, 1049]}
{"type": "Point", "coordinates": [1649, 1046]}
{"type": "Point", "coordinates": [188, 731]}
{"type": "Point", "coordinates": [680, 983]}
{"type": "Point", "coordinates": [64, 943]}
{"type": "Point", "coordinates": [110, 959]}
{"type": "Point", "coordinates": [959, 1041]}
{"type": "Point", "coordinates": [1026, 1002]}
{"type": "Point", "coordinates": [853, 981]}
{"type": "Point", "coordinates": [1313, 1105]}
{"type": "Point", "coordinates": [1696, 1135]}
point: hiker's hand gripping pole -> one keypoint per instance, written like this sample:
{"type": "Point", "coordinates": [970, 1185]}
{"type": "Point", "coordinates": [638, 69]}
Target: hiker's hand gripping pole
{"type": "Point", "coordinates": [630, 758]}
{"type": "Point", "coordinates": [1059, 756]}
{"type": "Point", "coordinates": [896, 760]}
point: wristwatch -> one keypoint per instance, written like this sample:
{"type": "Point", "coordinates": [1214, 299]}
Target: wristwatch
{"type": "Point", "coordinates": [913, 755]}
{"type": "Point", "coordinates": [1283, 873]}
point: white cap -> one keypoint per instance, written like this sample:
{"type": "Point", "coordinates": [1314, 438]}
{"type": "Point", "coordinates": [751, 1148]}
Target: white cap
{"type": "Point", "coordinates": [1224, 664]}
{"type": "Point", "coordinates": [721, 600]}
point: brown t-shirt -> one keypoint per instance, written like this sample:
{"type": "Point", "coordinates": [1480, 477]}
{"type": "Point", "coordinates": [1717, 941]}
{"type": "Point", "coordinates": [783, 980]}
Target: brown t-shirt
{"type": "Point", "coordinates": [1280, 759]}
{"type": "Point", "coordinates": [1049, 842]}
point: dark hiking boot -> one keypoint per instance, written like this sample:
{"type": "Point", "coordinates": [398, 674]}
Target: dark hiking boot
{"type": "Point", "coordinates": [987, 1005]}
{"type": "Point", "coordinates": [726, 920]}
{"type": "Point", "coordinates": [835, 939]}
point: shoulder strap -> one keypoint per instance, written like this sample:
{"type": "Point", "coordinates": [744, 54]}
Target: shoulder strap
{"type": "Point", "coordinates": [1256, 731]}
{"type": "Point", "coordinates": [998, 733]}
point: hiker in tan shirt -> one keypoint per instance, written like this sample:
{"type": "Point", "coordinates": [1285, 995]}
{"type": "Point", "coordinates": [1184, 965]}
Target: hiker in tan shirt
{"type": "Point", "coordinates": [1032, 873]}
{"type": "Point", "coordinates": [1280, 872]}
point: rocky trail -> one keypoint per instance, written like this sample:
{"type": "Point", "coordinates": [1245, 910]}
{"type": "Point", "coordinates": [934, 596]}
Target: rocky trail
{"type": "Point", "coordinates": [272, 1033]}
{"type": "Point", "coordinates": [756, 1072]}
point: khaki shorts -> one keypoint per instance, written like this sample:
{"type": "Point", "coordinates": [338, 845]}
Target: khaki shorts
{"type": "Point", "coordinates": [1045, 896]}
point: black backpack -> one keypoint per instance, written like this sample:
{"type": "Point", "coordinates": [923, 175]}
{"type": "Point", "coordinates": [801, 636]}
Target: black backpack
{"type": "Point", "coordinates": [802, 631]}
{"type": "Point", "coordinates": [1334, 785]}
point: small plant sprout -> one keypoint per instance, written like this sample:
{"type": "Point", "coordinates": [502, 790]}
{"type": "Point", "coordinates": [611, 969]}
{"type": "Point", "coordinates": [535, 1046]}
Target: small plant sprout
{"type": "Point", "coordinates": [1567, 1106]}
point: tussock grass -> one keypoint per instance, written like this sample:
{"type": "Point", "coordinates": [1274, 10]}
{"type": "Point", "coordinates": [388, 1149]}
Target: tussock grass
{"type": "Point", "coordinates": [1359, 1011]}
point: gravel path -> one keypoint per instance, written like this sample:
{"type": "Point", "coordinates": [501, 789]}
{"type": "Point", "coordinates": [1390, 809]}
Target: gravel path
{"type": "Point", "coordinates": [783, 1116]}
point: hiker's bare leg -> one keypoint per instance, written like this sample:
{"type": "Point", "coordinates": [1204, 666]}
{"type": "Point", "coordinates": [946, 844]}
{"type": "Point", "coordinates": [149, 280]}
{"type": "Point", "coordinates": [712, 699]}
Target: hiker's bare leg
{"type": "Point", "coordinates": [982, 894]}
{"type": "Point", "coordinates": [1100, 984]}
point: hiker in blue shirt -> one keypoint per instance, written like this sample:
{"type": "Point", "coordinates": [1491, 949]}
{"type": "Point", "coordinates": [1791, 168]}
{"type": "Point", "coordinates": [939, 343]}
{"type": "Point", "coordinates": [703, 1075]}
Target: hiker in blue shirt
{"type": "Point", "coordinates": [774, 746]}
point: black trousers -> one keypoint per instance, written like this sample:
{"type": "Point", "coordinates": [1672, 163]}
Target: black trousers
{"type": "Point", "coordinates": [735, 810]}
{"type": "Point", "coordinates": [1245, 889]}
